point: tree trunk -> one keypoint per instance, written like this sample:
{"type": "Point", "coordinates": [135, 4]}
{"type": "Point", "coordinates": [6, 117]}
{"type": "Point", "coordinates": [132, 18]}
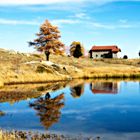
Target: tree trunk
{"type": "Point", "coordinates": [47, 53]}
{"type": "Point", "coordinates": [90, 52]}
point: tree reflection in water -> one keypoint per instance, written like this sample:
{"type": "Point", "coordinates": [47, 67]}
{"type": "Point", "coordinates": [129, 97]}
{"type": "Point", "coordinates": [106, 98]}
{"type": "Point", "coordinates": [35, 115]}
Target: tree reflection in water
{"type": "Point", "coordinates": [77, 91]}
{"type": "Point", "coordinates": [48, 109]}
{"type": "Point", "coordinates": [2, 113]}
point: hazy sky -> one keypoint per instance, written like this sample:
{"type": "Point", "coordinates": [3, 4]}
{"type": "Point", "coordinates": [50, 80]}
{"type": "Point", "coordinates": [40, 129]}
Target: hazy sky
{"type": "Point", "coordinates": [92, 22]}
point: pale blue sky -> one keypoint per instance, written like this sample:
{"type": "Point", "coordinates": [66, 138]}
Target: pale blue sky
{"type": "Point", "coordinates": [102, 22]}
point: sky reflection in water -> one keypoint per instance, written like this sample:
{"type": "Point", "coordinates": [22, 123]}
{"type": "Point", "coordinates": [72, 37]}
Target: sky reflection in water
{"type": "Point", "coordinates": [104, 108]}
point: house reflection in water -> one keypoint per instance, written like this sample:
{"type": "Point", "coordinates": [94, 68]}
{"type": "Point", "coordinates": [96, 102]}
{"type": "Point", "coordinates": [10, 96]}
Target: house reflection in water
{"type": "Point", "coordinates": [104, 87]}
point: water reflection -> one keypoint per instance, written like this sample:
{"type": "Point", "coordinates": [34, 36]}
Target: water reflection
{"type": "Point", "coordinates": [88, 114]}
{"type": "Point", "coordinates": [48, 109]}
{"type": "Point", "coordinates": [13, 94]}
{"type": "Point", "coordinates": [2, 113]}
{"type": "Point", "coordinates": [16, 93]}
{"type": "Point", "coordinates": [77, 91]}
{"type": "Point", "coordinates": [104, 87]}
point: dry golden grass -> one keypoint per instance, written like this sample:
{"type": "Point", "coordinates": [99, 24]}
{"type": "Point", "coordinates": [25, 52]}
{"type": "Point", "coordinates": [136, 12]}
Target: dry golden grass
{"type": "Point", "coordinates": [1, 82]}
{"type": "Point", "coordinates": [102, 68]}
{"type": "Point", "coordinates": [113, 72]}
{"type": "Point", "coordinates": [14, 68]}
{"type": "Point", "coordinates": [24, 135]}
{"type": "Point", "coordinates": [131, 62]}
{"type": "Point", "coordinates": [6, 136]}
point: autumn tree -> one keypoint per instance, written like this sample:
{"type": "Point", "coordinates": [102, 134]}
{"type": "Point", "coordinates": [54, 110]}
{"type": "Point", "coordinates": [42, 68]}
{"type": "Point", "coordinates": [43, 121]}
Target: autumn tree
{"type": "Point", "coordinates": [48, 40]}
{"type": "Point", "coordinates": [76, 49]}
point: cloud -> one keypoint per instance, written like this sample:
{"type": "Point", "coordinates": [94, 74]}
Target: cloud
{"type": "Point", "coordinates": [123, 21]}
{"type": "Point", "coordinates": [64, 21]}
{"type": "Point", "coordinates": [101, 25]}
{"type": "Point", "coordinates": [17, 22]}
{"type": "Point", "coordinates": [34, 2]}
{"type": "Point", "coordinates": [113, 26]}
{"type": "Point", "coordinates": [57, 22]}
{"type": "Point", "coordinates": [60, 22]}
{"type": "Point", "coordinates": [80, 15]}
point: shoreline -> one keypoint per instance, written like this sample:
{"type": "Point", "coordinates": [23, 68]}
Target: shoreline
{"type": "Point", "coordinates": [105, 76]}
{"type": "Point", "coordinates": [37, 135]}
{"type": "Point", "coordinates": [94, 77]}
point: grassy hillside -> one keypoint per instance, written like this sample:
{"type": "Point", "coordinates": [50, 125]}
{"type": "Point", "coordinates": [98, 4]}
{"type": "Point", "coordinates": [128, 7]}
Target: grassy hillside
{"type": "Point", "coordinates": [27, 68]}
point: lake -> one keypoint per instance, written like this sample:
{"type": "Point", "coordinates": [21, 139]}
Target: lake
{"type": "Point", "coordinates": [109, 109]}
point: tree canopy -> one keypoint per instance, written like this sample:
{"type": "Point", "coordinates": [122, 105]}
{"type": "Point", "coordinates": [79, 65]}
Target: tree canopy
{"type": "Point", "coordinates": [48, 40]}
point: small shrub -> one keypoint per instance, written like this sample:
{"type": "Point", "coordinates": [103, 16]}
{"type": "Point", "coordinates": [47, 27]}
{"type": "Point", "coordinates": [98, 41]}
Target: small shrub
{"type": "Point", "coordinates": [40, 88]}
{"type": "Point", "coordinates": [56, 67]}
{"type": "Point", "coordinates": [36, 55]}
{"type": "Point", "coordinates": [125, 57]}
{"type": "Point", "coordinates": [42, 69]}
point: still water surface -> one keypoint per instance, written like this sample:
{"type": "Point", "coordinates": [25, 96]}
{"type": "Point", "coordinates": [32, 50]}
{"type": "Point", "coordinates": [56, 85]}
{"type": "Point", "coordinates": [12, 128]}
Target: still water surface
{"type": "Point", "coordinates": [105, 108]}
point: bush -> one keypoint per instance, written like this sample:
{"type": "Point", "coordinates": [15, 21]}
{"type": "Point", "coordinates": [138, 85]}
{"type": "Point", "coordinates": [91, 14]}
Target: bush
{"type": "Point", "coordinates": [42, 69]}
{"type": "Point", "coordinates": [78, 52]}
{"type": "Point", "coordinates": [125, 57]}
